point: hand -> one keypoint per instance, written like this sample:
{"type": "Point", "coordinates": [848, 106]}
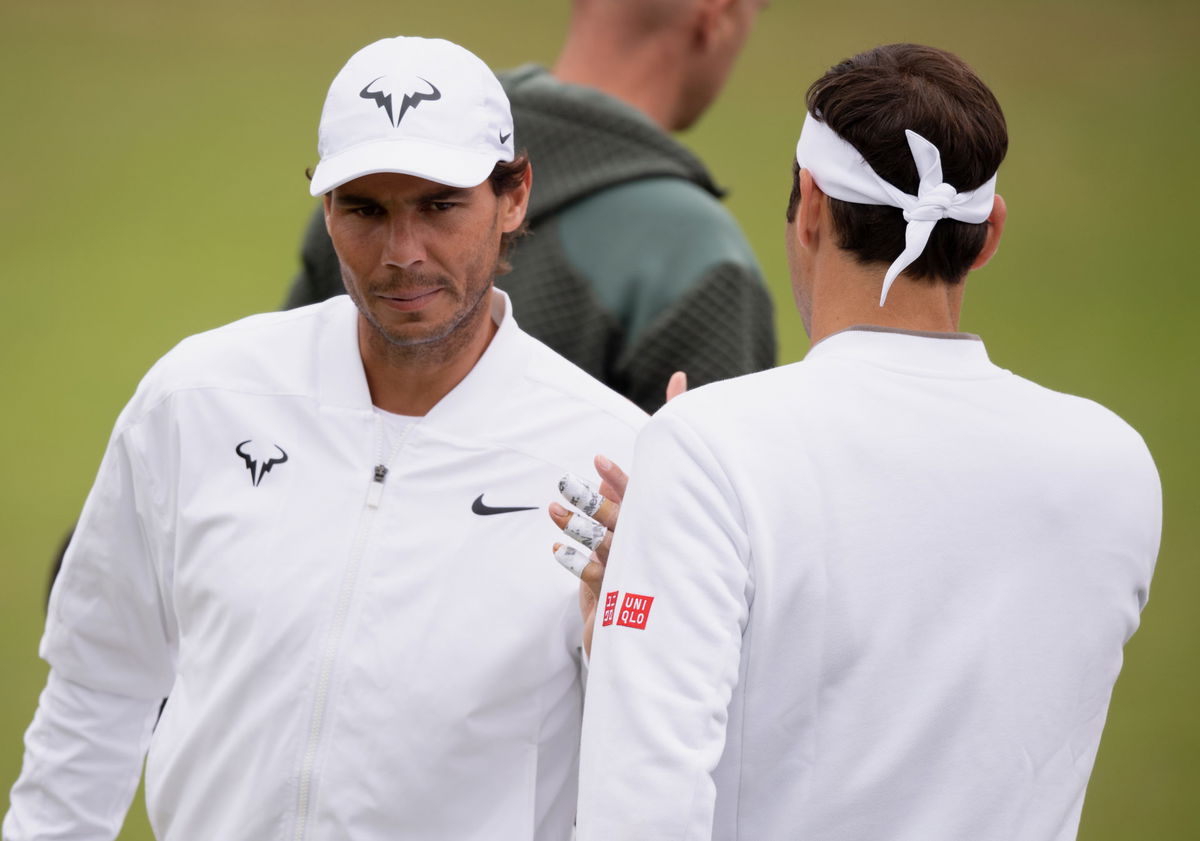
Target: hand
{"type": "Point", "coordinates": [593, 528]}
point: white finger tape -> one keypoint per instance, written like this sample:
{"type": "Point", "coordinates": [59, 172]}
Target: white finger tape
{"type": "Point", "coordinates": [580, 494]}
{"type": "Point", "coordinates": [572, 559]}
{"type": "Point", "coordinates": [586, 530]}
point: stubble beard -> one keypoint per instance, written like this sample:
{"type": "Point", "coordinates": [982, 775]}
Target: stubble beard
{"type": "Point", "coordinates": [439, 346]}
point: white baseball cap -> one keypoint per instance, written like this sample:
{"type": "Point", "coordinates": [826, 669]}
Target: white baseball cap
{"type": "Point", "coordinates": [418, 106]}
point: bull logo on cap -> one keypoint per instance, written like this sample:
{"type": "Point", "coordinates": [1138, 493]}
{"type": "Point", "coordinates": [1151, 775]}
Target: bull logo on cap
{"type": "Point", "coordinates": [383, 97]}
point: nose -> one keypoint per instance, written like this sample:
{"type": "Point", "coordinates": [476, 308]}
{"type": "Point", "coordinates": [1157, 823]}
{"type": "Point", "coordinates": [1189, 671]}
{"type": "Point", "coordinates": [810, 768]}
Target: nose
{"type": "Point", "coordinates": [404, 247]}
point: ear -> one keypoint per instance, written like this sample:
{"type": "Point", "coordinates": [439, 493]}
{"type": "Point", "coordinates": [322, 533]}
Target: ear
{"type": "Point", "coordinates": [327, 201]}
{"type": "Point", "coordinates": [813, 206]}
{"type": "Point", "coordinates": [710, 17]}
{"type": "Point", "coordinates": [995, 227]}
{"type": "Point", "coordinates": [515, 202]}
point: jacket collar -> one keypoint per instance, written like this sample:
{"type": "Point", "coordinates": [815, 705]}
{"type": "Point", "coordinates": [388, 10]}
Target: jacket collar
{"type": "Point", "coordinates": [912, 351]}
{"type": "Point", "coordinates": [494, 376]}
{"type": "Point", "coordinates": [342, 382]}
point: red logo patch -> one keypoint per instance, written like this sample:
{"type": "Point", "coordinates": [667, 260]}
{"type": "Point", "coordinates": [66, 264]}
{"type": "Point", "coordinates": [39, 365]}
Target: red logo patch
{"type": "Point", "coordinates": [635, 610]}
{"type": "Point", "coordinates": [610, 607]}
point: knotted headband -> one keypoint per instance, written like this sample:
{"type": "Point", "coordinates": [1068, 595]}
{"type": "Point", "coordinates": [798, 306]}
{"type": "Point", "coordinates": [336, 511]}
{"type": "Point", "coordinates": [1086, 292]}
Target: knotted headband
{"type": "Point", "coordinates": [841, 172]}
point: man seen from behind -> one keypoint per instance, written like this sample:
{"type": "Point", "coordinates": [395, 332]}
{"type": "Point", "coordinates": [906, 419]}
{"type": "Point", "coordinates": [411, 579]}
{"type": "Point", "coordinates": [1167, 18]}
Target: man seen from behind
{"type": "Point", "coordinates": [882, 592]}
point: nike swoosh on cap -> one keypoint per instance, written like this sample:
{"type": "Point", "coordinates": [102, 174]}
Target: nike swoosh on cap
{"type": "Point", "coordinates": [484, 510]}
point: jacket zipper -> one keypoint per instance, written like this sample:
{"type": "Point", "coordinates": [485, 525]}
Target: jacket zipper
{"type": "Point", "coordinates": [333, 639]}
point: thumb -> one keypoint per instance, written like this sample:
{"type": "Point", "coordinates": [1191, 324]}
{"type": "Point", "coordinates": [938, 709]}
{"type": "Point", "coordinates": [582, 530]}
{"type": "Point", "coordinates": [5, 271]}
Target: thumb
{"type": "Point", "coordinates": [677, 385]}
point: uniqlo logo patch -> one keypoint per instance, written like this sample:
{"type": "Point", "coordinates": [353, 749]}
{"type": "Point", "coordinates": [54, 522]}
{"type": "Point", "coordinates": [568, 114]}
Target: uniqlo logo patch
{"type": "Point", "coordinates": [610, 607]}
{"type": "Point", "coordinates": [635, 610]}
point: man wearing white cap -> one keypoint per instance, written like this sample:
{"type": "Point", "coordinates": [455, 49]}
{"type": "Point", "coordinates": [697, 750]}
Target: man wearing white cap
{"type": "Point", "coordinates": [635, 270]}
{"type": "Point", "coordinates": [887, 592]}
{"type": "Point", "coordinates": [318, 531]}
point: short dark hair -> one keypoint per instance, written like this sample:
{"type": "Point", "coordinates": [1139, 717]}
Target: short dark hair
{"type": "Point", "coordinates": [507, 176]}
{"type": "Point", "coordinates": [869, 100]}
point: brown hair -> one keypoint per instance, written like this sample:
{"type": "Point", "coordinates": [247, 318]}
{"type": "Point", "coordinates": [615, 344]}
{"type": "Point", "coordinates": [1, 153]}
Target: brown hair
{"type": "Point", "coordinates": [507, 176]}
{"type": "Point", "coordinates": [869, 100]}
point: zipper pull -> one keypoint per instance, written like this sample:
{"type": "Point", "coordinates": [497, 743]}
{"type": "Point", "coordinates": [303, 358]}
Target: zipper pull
{"type": "Point", "coordinates": [375, 494]}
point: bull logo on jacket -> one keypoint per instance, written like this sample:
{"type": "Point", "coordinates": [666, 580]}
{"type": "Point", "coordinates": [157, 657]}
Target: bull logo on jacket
{"type": "Point", "coordinates": [258, 466]}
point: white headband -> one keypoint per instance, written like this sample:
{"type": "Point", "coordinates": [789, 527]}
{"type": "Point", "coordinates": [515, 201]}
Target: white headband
{"type": "Point", "coordinates": [841, 172]}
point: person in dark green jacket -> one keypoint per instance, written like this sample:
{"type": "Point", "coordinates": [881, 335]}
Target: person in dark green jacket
{"type": "Point", "coordinates": [633, 269]}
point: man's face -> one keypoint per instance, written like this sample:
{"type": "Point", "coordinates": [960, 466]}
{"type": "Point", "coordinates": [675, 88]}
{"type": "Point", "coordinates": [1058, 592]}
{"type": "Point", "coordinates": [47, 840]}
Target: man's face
{"type": "Point", "coordinates": [418, 257]}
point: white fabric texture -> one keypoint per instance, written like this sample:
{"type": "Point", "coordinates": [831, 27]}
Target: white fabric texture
{"type": "Point", "coordinates": [83, 758]}
{"type": "Point", "coordinates": [841, 172]}
{"type": "Point", "coordinates": [345, 657]}
{"type": "Point", "coordinates": [395, 427]}
{"type": "Point", "coordinates": [906, 630]}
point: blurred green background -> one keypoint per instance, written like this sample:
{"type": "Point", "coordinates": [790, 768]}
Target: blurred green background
{"type": "Point", "coordinates": [153, 158]}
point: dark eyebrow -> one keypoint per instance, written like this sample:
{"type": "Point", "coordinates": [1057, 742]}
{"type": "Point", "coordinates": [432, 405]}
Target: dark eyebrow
{"type": "Point", "coordinates": [350, 198]}
{"type": "Point", "coordinates": [446, 194]}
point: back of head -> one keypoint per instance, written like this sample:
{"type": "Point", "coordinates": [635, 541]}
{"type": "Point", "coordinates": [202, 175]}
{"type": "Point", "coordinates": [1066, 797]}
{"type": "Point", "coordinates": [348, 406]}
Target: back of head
{"type": "Point", "coordinates": [870, 100]}
{"type": "Point", "coordinates": [669, 58]}
{"type": "Point", "coordinates": [637, 19]}
{"type": "Point", "coordinates": [646, 17]}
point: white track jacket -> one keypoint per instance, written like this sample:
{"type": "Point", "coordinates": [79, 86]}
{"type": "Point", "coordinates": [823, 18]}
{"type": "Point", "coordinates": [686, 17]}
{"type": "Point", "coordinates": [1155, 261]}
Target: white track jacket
{"type": "Point", "coordinates": [878, 594]}
{"type": "Point", "coordinates": [358, 641]}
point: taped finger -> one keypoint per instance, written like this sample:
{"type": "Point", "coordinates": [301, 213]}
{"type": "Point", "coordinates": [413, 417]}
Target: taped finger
{"type": "Point", "coordinates": [580, 494]}
{"type": "Point", "coordinates": [572, 560]}
{"type": "Point", "coordinates": [601, 551]}
{"type": "Point", "coordinates": [586, 530]}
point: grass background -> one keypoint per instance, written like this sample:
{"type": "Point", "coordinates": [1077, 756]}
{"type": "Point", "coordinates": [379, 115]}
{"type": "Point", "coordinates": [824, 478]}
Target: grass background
{"type": "Point", "coordinates": [153, 157]}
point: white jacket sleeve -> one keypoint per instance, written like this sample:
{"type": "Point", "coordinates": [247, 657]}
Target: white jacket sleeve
{"type": "Point", "coordinates": [83, 757]}
{"type": "Point", "coordinates": [110, 642]}
{"type": "Point", "coordinates": [667, 647]}
{"type": "Point", "coordinates": [110, 625]}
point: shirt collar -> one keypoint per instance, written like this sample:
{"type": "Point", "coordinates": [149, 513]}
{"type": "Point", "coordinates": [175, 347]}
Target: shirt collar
{"type": "Point", "coordinates": [913, 351]}
{"type": "Point", "coordinates": [493, 377]}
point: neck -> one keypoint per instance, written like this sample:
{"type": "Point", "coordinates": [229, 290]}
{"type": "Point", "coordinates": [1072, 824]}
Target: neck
{"type": "Point", "coordinates": [847, 295]}
{"type": "Point", "coordinates": [646, 74]}
{"type": "Point", "coordinates": [412, 379]}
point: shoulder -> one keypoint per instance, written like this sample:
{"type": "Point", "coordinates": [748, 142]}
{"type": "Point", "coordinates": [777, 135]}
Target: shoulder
{"type": "Point", "coordinates": [552, 379]}
{"type": "Point", "coordinates": [1087, 464]}
{"type": "Point", "coordinates": [733, 421]}
{"type": "Point", "coordinates": [1082, 423]}
{"type": "Point", "coordinates": [264, 353]}
{"type": "Point", "coordinates": [674, 216]}
{"type": "Point", "coordinates": [560, 414]}
{"type": "Point", "coordinates": [725, 431]}
{"type": "Point", "coordinates": [242, 348]}
{"type": "Point", "coordinates": [736, 403]}
{"type": "Point", "coordinates": [645, 244]}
